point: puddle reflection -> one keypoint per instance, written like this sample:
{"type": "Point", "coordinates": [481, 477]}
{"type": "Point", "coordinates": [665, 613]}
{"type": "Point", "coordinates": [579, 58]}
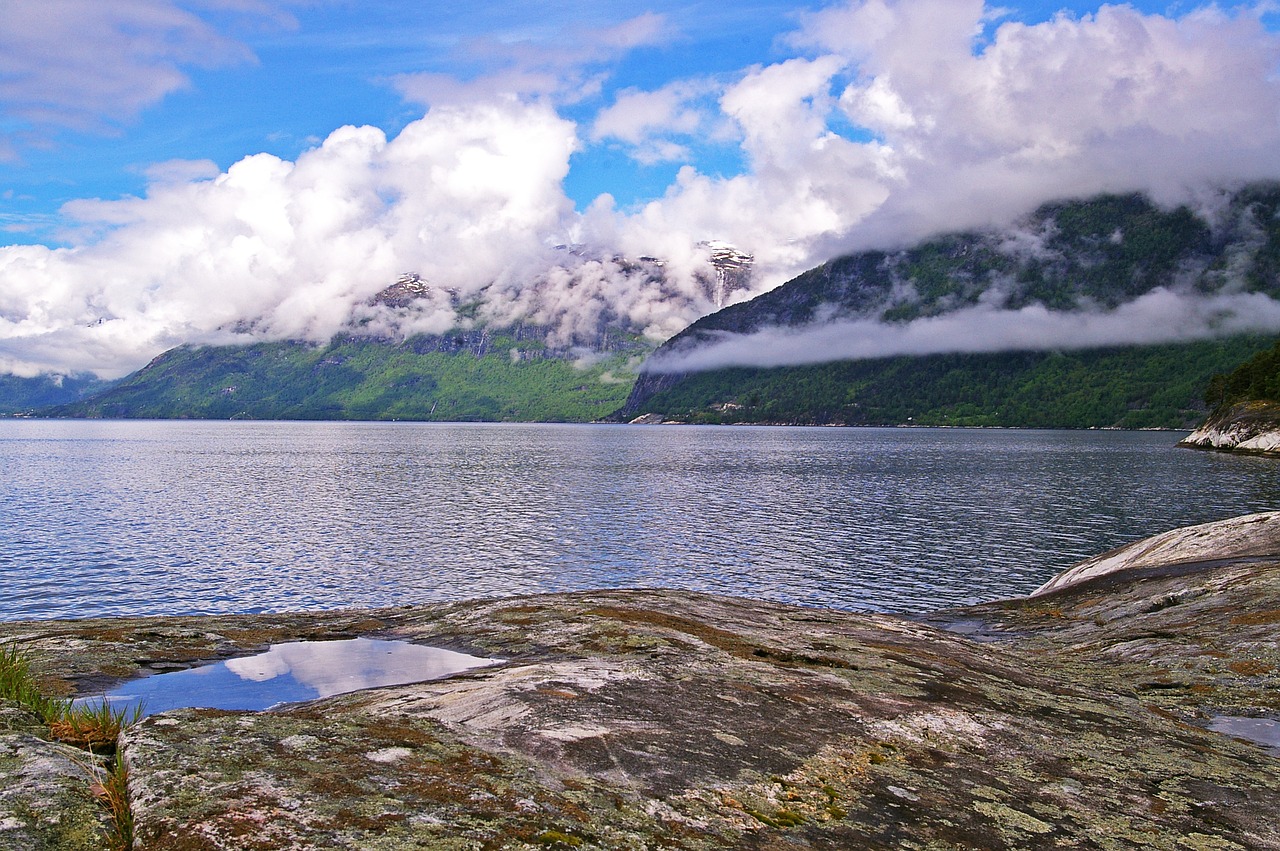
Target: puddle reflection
{"type": "Point", "coordinates": [1260, 731]}
{"type": "Point", "coordinates": [286, 673]}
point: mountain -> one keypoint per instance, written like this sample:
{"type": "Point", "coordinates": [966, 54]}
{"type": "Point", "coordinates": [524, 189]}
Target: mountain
{"type": "Point", "coordinates": [480, 374]}
{"type": "Point", "coordinates": [1101, 252]}
{"type": "Point", "coordinates": [523, 354]}
{"type": "Point", "coordinates": [554, 350]}
{"type": "Point", "coordinates": [1076, 259]}
{"type": "Point", "coordinates": [24, 395]}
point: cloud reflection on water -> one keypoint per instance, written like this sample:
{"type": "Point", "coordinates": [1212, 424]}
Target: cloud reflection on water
{"type": "Point", "coordinates": [296, 671]}
{"type": "Point", "coordinates": [335, 667]}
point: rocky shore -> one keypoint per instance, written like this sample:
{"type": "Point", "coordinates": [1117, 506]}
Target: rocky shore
{"type": "Point", "coordinates": [1245, 427]}
{"type": "Point", "coordinates": [1084, 716]}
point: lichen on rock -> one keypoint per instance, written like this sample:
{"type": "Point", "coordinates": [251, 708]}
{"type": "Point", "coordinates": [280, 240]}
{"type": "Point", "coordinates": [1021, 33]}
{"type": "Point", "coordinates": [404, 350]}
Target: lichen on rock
{"type": "Point", "coordinates": [665, 719]}
{"type": "Point", "coordinates": [46, 798]}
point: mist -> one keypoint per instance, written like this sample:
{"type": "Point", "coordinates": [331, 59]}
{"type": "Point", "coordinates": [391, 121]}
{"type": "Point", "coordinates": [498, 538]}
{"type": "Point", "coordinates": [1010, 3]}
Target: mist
{"type": "Point", "coordinates": [1157, 317]}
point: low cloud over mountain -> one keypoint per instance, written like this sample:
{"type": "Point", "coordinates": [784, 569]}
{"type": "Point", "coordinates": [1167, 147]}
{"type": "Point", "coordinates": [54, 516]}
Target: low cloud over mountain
{"type": "Point", "coordinates": [875, 124]}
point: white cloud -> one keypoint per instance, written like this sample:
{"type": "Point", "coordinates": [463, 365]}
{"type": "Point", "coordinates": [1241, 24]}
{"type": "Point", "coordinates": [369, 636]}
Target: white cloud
{"type": "Point", "coordinates": [1158, 316]}
{"type": "Point", "coordinates": [647, 120]}
{"type": "Point", "coordinates": [952, 129]}
{"type": "Point", "coordinates": [560, 65]}
{"type": "Point", "coordinates": [463, 196]}
{"type": "Point", "coordinates": [337, 667]}
{"type": "Point", "coordinates": [804, 182]}
{"type": "Point", "coordinates": [1117, 100]}
{"type": "Point", "coordinates": [92, 65]}
{"type": "Point", "coordinates": [900, 120]}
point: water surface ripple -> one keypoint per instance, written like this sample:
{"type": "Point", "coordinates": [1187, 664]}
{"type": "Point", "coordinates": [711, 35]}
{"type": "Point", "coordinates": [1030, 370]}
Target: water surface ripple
{"type": "Point", "coordinates": [127, 518]}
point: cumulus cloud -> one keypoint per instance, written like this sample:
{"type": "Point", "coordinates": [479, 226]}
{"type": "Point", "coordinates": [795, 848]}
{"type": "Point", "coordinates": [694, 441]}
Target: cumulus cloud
{"type": "Point", "coordinates": [337, 667]}
{"type": "Point", "coordinates": [1159, 316]}
{"type": "Point", "coordinates": [271, 249]}
{"type": "Point", "coordinates": [893, 120]}
{"type": "Point", "coordinates": [1112, 101]}
{"type": "Point", "coordinates": [803, 182]}
{"type": "Point", "coordinates": [462, 196]}
{"type": "Point", "coordinates": [912, 118]}
{"type": "Point", "coordinates": [650, 122]}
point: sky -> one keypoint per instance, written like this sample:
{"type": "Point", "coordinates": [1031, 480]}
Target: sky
{"type": "Point", "coordinates": [213, 170]}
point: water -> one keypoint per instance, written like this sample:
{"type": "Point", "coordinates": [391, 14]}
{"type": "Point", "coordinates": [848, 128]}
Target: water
{"type": "Point", "coordinates": [288, 673]}
{"type": "Point", "coordinates": [128, 518]}
{"type": "Point", "coordinates": [1264, 732]}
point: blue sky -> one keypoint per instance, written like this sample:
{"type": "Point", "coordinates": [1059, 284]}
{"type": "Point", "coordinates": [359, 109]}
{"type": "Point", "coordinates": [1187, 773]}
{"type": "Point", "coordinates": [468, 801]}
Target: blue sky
{"type": "Point", "coordinates": [132, 135]}
{"type": "Point", "coordinates": [304, 69]}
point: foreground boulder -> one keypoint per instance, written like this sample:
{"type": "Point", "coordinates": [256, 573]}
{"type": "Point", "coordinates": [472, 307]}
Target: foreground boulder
{"type": "Point", "coordinates": [1078, 718]}
{"type": "Point", "coordinates": [46, 790]}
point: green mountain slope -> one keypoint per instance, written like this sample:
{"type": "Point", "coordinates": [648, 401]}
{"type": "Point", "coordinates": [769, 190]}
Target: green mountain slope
{"type": "Point", "coordinates": [1133, 387]}
{"type": "Point", "coordinates": [1080, 256]}
{"type": "Point", "coordinates": [23, 395]}
{"type": "Point", "coordinates": [361, 378]}
{"type": "Point", "coordinates": [1256, 379]}
{"type": "Point", "coordinates": [1244, 407]}
{"type": "Point", "coordinates": [1096, 253]}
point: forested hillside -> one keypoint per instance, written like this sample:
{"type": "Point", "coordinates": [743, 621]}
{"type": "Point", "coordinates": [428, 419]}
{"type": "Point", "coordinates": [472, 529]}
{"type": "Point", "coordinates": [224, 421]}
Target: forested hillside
{"type": "Point", "coordinates": [359, 378]}
{"type": "Point", "coordinates": [23, 395]}
{"type": "Point", "coordinates": [1256, 379]}
{"type": "Point", "coordinates": [1086, 254]}
{"type": "Point", "coordinates": [1083, 260]}
{"type": "Point", "coordinates": [1131, 387]}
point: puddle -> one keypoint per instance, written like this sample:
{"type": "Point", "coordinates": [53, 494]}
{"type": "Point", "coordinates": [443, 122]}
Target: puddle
{"type": "Point", "coordinates": [1260, 731]}
{"type": "Point", "coordinates": [287, 673]}
{"type": "Point", "coordinates": [973, 629]}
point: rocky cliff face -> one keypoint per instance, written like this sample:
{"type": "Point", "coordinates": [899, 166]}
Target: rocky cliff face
{"type": "Point", "coordinates": [572, 307]}
{"type": "Point", "coordinates": [1085, 717]}
{"type": "Point", "coordinates": [731, 271]}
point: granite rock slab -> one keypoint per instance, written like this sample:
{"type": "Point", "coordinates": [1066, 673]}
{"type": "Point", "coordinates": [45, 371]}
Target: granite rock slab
{"type": "Point", "coordinates": [646, 719]}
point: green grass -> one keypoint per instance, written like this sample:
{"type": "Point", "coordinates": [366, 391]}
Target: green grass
{"type": "Point", "coordinates": [18, 685]}
{"type": "Point", "coordinates": [94, 727]}
{"type": "Point", "coordinates": [113, 792]}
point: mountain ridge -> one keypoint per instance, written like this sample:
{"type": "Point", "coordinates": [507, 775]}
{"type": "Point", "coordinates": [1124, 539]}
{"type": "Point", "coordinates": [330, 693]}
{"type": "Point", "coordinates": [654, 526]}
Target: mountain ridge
{"type": "Point", "coordinates": [481, 374]}
{"type": "Point", "coordinates": [1078, 259]}
{"type": "Point", "coordinates": [1068, 259]}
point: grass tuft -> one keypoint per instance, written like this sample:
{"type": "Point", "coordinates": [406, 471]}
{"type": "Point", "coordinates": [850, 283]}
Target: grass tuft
{"type": "Point", "coordinates": [91, 726]}
{"type": "Point", "coordinates": [18, 685]}
{"type": "Point", "coordinates": [113, 792]}
{"type": "Point", "coordinates": [94, 727]}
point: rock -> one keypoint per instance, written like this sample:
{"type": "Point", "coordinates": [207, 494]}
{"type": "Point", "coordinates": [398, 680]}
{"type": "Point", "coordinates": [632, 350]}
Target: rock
{"type": "Point", "coordinates": [1245, 427]}
{"type": "Point", "coordinates": [46, 802]}
{"type": "Point", "coordinates": [647, 719]}
{"type": "Point", "coordinates": [1255, 536]}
